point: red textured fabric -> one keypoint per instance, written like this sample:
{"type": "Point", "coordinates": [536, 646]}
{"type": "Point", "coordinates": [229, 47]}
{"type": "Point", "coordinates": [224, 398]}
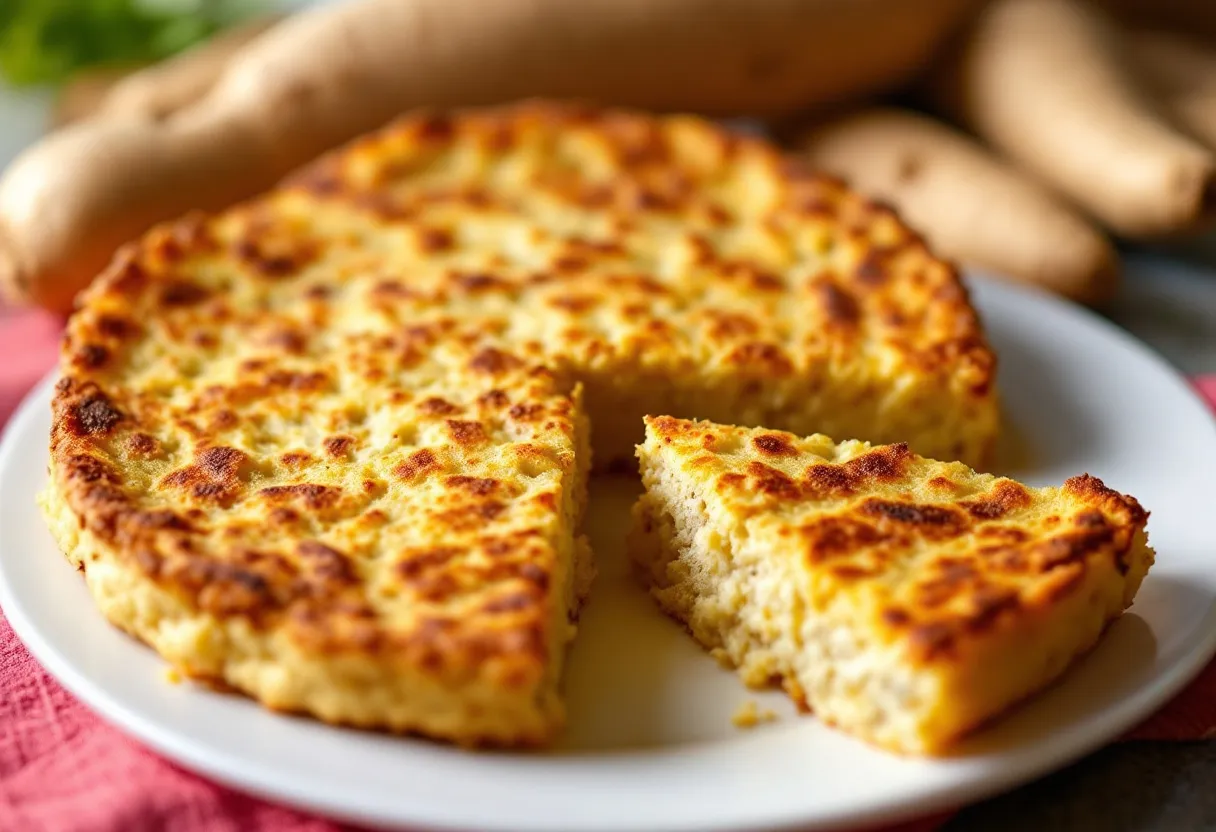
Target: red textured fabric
{"type": "Point", "coordinates": [29, 342]}
{"type": "Point", "coordinates": [64, 770]}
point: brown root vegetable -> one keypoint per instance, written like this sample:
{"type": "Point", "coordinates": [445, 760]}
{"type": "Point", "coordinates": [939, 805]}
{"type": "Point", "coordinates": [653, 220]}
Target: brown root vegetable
{"type": "Point", "coordinates": [80, 96]}
{"type": "Point", "coordinates": [1197, 18]}
{"type": "Point", "coordinates": [164, 88]}
{"type": "Point", "coordinates": [1182, 74]}
{"type": "Point", "coordinates": [50, 239]}
{"type": "Point", "coordinates": [326, 75]}
{"type": "Point", "coordinates": [1044, 82]}
{"type": "Point", "coordinates": [158, 90]}
{"type": "Point", "coordinates": [969, 205]}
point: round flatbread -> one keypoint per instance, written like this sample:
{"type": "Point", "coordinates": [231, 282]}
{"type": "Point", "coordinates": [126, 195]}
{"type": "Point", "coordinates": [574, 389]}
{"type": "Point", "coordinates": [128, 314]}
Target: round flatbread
{"type": "Point", "coordinates": [330, 447]}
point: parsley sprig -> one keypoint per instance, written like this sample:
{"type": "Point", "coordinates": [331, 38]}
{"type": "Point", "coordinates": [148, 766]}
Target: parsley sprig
{"type": "Point", "coordinates": [45, 41]}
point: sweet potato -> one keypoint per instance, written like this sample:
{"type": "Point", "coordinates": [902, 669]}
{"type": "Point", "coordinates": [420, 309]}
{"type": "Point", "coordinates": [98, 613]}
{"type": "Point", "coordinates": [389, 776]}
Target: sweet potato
{"type": "Point", "coordinates": [79, 97]}
{"type": "Point", "coordinates": [158, 90]}
{"type": "Point", "coordinates": [329, 74]}
{"type": "Point", "coordinates": [1044, 81]}
{"type": "Point", "coordinates": [970, 205]}
{"type": "Point", "coordinates": [1197, 18]}
{"type": "Point", "coordinates": [1182, 74]}
{"type": "Point", "coordinates": [57, 230]}
{"type": "Point", "coordinates": [164, 88]}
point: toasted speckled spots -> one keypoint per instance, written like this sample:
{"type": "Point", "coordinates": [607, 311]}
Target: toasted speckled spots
{"type": "Point", "coordinates": [840, 306]}
{"type": "Point", "coordinates": [925, 517]}
{"type": "Point", "coordinates": [773, 444]}
{"type": "Point", "coordinates": [835, 537]}
{"type": "Point", "coordinates": [760, 357]}
{"type": "Point", "coordinates": [92, 356]}
{"type": "Point", "coordinates": [417, 464]}
{"type": "Point", "coordinates": [325, 562]}
{"type": "Point", "coordinates": [387, 356]}
{"type": "Point", "coordinates": [116, 326]}
{"type": "Point", "coordinates": [339, 447]}
{"type": "Point", "coordinates": [221, 463]}
{"type": "Point", "coordinates": [182, 293]}
{"type": "Point", "coordinates": [437, 406]}
{"type": "Point", "coordinates": [772, 482]}
{"type": "Point", "coordinates": [1006, 497]}
{"type": "Point", "coordinates": [493, 361]}
{"type": "Point", "coordinates": [273, 259]}
{"type": "Point", "coordinates": [216, 475]}
{"type": "Point", "coordinates": [466, 433]}
{"type": "Point", "coordinates": [907, 600]}
{"type": "Point", "coordinates": [94, 413]}
{"type": "Point", "coordinates": [89, 469]}
{"type": "Point", "coordinates": [312, 496]}
{"type": "Point", "coordinates": [480, 486]}
{"type": "Point", "coordinates": [143, 445]}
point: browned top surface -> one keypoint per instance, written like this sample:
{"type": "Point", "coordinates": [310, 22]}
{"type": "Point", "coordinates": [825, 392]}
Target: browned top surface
{"type": "Point", "coordinates": [934, 551]}
{"type": "Point", "coordinates": [419, 528]}
{"type": "Point", "coordinates": [325, 409]}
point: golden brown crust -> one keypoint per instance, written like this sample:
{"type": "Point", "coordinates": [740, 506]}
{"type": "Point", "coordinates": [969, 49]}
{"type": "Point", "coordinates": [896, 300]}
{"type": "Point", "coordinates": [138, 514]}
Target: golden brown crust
{"type": "Point", "coordinates": [345, 411]}
{"type": "Point", "coordinates": [905, 600]}
{"type": "Point", "coordinates": [676, 169]}
{"type": "Point", "coordinates": [856, 513]}
{"type": "Point", "coordinates": [177, 533]}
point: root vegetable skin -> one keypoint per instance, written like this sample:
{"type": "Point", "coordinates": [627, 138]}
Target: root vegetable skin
{"type": "Point", "coordinates": [327, 75]}
{"type": "Point", "coordinates": [1183, 74]}
{"type": "Point", "coordinates": [1042, 80]}
{"type": "Point", "coordinates": [58, 230]}
{"type": "Point", "coordinates": [1197, 18]}
{"type": "Point", "coordinates": [970, 206]}
{"type": "Point", "coordinates": [82, 94]}
{"type": "Point", "coordinates": [164, 88]}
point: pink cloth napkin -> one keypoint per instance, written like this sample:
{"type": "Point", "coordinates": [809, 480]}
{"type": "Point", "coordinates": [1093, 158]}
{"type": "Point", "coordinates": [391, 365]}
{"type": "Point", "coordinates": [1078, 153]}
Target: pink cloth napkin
{"type": "Point", "coordinates": [64, 770]}
{"type": "Point", "coordinates": [61, 768]}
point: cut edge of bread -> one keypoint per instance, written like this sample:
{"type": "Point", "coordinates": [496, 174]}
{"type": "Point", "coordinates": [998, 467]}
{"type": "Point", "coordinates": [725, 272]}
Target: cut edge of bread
{"type": "Point", "coordinates": [705, 569]}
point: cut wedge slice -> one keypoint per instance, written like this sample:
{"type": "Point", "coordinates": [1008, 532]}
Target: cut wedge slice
{"type": "Point", "coordinates": [904, 600]}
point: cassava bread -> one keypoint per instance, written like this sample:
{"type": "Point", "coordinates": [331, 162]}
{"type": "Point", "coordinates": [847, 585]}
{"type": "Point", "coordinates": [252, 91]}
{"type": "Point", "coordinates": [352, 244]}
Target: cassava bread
{"type": "Point", "coordinates": [970, 205]}
{"type": "Point", "coordinates": [329, 446]}
{"type": "Point", "coordinates": [330, 74]}
{"type": "Point", "coordinates": [904, 600]}
{"type": "Point", "coordinates": [1044, 81]}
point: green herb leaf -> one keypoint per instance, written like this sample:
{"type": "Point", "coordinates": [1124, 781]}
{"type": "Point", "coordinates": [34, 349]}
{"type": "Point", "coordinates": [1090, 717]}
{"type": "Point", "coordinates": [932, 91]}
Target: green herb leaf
{"type": "Point", "coordinates": [44, 41]}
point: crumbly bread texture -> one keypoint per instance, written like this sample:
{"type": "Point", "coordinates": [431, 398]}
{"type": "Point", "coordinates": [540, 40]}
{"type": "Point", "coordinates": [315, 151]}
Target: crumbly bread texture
{"type": "Point", "coordinates": [904, 600]}
{"type": "Point", "coordinates": [329, 447]}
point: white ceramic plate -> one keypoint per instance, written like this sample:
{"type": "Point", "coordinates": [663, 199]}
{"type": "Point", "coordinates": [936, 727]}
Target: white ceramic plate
{"type": "Point", "coordinates": [651, 745]}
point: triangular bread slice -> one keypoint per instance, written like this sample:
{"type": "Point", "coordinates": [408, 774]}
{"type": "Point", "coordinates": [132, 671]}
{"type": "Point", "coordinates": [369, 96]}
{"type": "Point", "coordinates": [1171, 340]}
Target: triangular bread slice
{"type": "Point", "coordinates": [904, 600]}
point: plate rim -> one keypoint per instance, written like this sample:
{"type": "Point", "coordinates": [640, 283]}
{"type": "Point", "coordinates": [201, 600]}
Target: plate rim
{"type": "Point", "coordinates": [224, 766]}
